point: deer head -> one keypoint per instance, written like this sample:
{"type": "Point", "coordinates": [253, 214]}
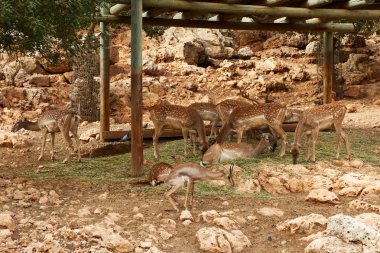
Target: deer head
{"type": "Point", "coordinates": [295, 152]}
{"type": "Point", "coordinates": [228, 172]}
{"type": "Point", "coordinates": [270, 140]}
{"type": "Point", "coordinates": [20, 124]}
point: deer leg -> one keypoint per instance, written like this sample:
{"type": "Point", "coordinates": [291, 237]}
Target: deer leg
{"type": "Point", "coordinates": [346, 143]}
{"type": "Point", "coordinates": [189, 195]}
{"type": "Point", "coordinates": [314, 133]}
{"type": "Point", "coordinates": [185, 133]}
{"type": "Point", "coordinates": [156, 135]}
{"type": "Point", "coordinates": [66, 134]}
{"type": "Point", "coordinates": [77, 143]}
{"type": "Point", "coordinates": [239, 133]}
{"type": "Point", "coordinates": [170, 198]}
{"type": "Point", "coordinates": [278, 129]}
{"type": "Point", "coordinates": [44, 133]}
{"type": "Point", "coordinates": [338, 129]}
{"type": "Point", "coordinates": [308, 143]}
{"type": "Point", "coordinates": [52, 146]}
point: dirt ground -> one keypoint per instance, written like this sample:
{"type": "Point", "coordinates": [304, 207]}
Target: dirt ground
{"type": "Point", "coordinates": [128, 201]}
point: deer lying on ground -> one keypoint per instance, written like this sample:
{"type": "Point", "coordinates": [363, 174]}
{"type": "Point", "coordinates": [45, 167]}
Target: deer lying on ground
{"type": "Point", "coordinates": [221, 152]}
{"type": "Point", "coordinates": [52, 122]}
{"type": "Point", "coordinates": [185, 118]}
{"type": "Point", "coordinates": [316, 119]}
{"type": "Point", "coordinates": [191, 173]}
{"type": "Point", "coordinates": [208, 112]}
{"type": "Point", "coordinates": [256, 117]}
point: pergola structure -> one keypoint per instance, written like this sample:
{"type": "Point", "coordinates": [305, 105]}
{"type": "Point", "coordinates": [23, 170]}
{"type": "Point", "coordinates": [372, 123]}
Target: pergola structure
{"type": "Point", "coordinates": [276, 15]}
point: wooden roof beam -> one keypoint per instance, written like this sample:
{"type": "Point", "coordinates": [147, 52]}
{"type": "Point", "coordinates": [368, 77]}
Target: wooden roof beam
{"type": "Point", "coordinates": [332, 27]}
{"type": "Point", "coordinates": [118, 8]}
{"type": "Point", "coordinates": [247, 10]}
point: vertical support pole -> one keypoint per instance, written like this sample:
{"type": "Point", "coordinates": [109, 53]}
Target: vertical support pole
{"type": "Point", "coordinates": [104, 76]}
{"type": "Point", "coordinates": [136, 89]}
{"type": "Point", "coordinates": [328, 66]}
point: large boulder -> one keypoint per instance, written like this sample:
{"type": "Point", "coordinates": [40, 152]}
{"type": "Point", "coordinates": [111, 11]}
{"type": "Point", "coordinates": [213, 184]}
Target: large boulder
{"type": "Point", "coordinates": [290, 39]}
{"type": "Point", "coordinates": [194, 53]}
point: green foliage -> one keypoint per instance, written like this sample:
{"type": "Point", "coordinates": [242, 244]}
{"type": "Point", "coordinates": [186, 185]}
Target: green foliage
{"type": "Point", "coordinates": [49, 27]}
{"type": "Point", "coordinates": [154, 31]}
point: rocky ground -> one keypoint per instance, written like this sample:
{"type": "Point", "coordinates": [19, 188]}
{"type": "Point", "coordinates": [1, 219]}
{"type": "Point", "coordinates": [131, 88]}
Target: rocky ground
{"type": "Point", "coordinates": [329, 206]}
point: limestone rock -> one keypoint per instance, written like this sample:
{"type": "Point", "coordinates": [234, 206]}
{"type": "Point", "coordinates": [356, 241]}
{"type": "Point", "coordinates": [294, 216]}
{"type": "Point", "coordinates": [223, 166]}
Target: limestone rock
{"type": "Point", "coordinates": [217, 240]}
{"type": "Point", "coordinates": [331, 244]}
{"type": "Point", "coordinates": [194, 53]}
{"type": "Point", "coordinates": [270, 211]}
{"type": "Point", "coordinates": [245, 53]}
{"type": "Point", "coordinates": [225, 222]}
{"type": "Point", "coordinates": [6, 221]}
{"type": "Point", "coordinates": [303, 224]}
{"type": "Point", "coordinates": [323, 196]}
{"type": "Point", "coordinates": [186, 215]}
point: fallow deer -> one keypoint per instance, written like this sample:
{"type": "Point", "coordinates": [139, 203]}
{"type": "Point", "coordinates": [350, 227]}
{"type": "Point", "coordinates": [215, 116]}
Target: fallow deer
{"type": "Point", "coordinates": [190, 173]}
{"type": "Point", "coordinates": [221, 152]}
{"type": "Point", "coordinates": [316, 119]}
{"type": "Point", "coordinates": [185, 118]}
{"type": "Point", "coordinates": [52, 122]}
{"type": "Point", "coordinates": [208, 112]}
{"type": "Point", "coordinates": [225, 108]}
{"type": "Point", "coordinates": [255, 116]}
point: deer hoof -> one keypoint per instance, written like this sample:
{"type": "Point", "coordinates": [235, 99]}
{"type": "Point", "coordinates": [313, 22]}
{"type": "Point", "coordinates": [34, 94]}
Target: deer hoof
{"type": "Point", "coordinates": [65, 161]}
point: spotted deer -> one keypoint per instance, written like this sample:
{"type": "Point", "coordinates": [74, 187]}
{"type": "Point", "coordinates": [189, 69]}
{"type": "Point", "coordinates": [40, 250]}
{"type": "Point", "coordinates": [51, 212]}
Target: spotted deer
{"type": "Point", "coordinates": [208, 112]}
{"type": "Point", "coordinates": [190, 173]}
{"type": "Point", "coordinates": [158, 173]}
{"type": "Point", "coordinates": [176, 116]}
{"type": "Point", "coordinates": [227, 151]}
{"type": "Point", "coordinates": [316, 119]}
{"type": "Point", "coordinates": [255, 116]}
{"type": "Point", "coordinates": [53, 122]}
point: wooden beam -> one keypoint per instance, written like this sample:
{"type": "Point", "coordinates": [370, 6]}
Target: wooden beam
{"type": "Point", "coordinates": [336, 27]}
{"type": "Point", "coordinates": [247, 10]}
{"type": "Point", "coordinates": [136, 90]}
{"type": "Point", "coordinates": [104, 75]}
{"type": "Point", "coordinates": [328, 66]}
{"type": "Point", "coordinates": [117, 8]}
{"type": "Point", "coordinates": [271, 2]}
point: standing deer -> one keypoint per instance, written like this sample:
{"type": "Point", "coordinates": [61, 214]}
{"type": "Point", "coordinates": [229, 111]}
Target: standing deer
{"type": "Point", "coordinates": [191, 173]}
{"type": "Point", "coordinates": [255, 116]}
{"type": "Point", "coordinates": [316, 119]}
{"type": "Point", "coordinates": [208, 112]}
{"type": "Point", "coordinates": [221, 152]}
{"type": "Point", "coordinates": [185, 118]}
{"type": "Point", "coordinates": [52, 122]}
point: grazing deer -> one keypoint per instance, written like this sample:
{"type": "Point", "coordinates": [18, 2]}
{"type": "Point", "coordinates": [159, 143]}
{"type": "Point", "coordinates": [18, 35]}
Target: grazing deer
{"type": "Point", "coordinates": [191, 173]}
{"type": "Point", "coordinates": [185, 118]}
{"type": "Point", "coordinates": [255, 116]}
{"type": "Point", "coordinates": [221, 152]}
{"type": "Point", "coordinates": [292, 115]}
{"type": "Point", "coordinates": [225, 108]}
{"type": "Point", "coordinates": [52, 122]}
{"type": "Point", "coordinates": [208, 112]}
{"type": "Point", "coordinates": [159, 173]}
{"type": "Point", "coordinates": [316, 119]}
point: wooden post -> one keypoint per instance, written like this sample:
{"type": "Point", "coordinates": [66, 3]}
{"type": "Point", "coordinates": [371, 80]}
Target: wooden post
{"type": "Point", "coordinates": [328, 66]}
{"type": "Point", "coordinates": [104, 76]}
{"type": "Point", "coordinates": [136, 89]}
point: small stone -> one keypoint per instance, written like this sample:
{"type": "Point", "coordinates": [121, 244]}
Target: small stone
{"type": "Point", "coordinates": [186, 223]}
{"type": "Point", "coordinates": [185, 215]}
{"type": "Point", "coordinates": [268, 211]}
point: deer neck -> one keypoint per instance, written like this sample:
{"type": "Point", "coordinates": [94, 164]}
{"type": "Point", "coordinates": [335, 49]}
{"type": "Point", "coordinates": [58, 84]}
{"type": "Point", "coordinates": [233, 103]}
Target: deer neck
{"type": "Point", "coordinates": [32, 126]}
{"type": "Point", "coordinates": [258, 149]}
{"type": "Point", "coordinates": [298, 133]}
{"type": "Point", "coordinates": [214, 175]}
